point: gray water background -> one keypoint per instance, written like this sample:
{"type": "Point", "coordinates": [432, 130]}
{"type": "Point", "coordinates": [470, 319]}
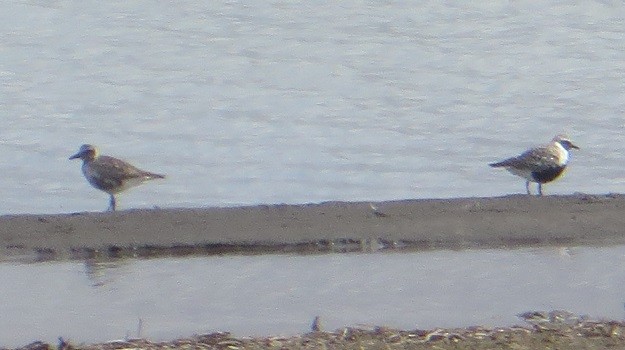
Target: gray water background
{"type": "Point", "coordinates": [289, 102]}
{"type": "Point", "coordinates": [281, 294]}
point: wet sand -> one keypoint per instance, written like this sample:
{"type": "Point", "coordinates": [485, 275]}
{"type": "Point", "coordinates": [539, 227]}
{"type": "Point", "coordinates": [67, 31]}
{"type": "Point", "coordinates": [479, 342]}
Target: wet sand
{"type": "Point", "coordinates": [510, 221]}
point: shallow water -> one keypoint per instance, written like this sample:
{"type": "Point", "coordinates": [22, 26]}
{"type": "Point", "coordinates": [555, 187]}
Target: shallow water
{"type": "Point", "coordinates": [274, 101]}
{"type": "Point", "coordinates": [280, 294]}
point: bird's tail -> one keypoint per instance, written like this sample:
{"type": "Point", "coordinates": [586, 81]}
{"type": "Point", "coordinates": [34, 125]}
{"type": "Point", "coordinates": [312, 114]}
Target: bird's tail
{"type": "Point", "coordinates": [154, 176]}
{"type": "Point", "coordinates": [500, 164]}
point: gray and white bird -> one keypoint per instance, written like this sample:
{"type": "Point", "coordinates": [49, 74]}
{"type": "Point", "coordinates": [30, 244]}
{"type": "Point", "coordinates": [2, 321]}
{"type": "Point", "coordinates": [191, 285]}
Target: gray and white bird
{"type": "Point", "coordinates": [109, 174]}
{"type": "Point", "coordinates": [541, 164]}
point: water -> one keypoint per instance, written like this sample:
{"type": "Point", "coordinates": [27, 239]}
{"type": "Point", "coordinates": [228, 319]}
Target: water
{"type": "Point", "coordinates": [289, 102]}
{"type": "Point", "coordinates": [281, 294]}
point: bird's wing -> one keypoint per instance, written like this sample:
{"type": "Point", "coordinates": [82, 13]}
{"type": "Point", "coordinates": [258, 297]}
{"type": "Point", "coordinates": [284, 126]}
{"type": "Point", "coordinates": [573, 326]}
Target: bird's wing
{"type": "Point", "coordinates": [113, 168]}
{"type": "Point", "coordinates": [533, 159]}
{"type": "Point", "coordinates": [112, 175]}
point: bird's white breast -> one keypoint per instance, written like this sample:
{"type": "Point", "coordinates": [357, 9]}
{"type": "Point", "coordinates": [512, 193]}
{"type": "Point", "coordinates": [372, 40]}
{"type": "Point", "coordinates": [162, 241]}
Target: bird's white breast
{"type": "Point", "coordinates": [563, 154]}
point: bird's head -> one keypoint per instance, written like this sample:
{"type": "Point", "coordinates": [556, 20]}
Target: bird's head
{"type": "Point", "coordinates": [565, 142]}
{"type": "Point", "coordinates": [86, 152]}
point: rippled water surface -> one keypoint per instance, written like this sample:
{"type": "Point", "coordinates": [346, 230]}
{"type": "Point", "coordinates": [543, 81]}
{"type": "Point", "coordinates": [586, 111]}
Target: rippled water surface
{"type": "Point", "coordinates": [280, 101]}
{"type": "Point", "coordinates": [281, 294]}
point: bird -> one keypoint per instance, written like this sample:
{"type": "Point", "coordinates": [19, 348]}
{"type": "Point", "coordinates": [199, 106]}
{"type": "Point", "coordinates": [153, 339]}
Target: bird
{"type": "Point", "coordinates": [377, 211]}
{"type": "Point", "coordinates": [110, 174]}
{"type": "Point", "coordinates": [540, 164]}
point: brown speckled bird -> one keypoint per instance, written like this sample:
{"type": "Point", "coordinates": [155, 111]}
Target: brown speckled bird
{"type": "Point", "coordinates": [541, 164]}
{"type": "Point", "coordinates": [109, 174]}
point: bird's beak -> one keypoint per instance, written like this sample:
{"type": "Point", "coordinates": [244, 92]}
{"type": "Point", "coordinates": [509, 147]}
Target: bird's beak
{"type": "Point", "coordinates": [77, 155]}
{"type": "Point", "coordinates": [573, 146]}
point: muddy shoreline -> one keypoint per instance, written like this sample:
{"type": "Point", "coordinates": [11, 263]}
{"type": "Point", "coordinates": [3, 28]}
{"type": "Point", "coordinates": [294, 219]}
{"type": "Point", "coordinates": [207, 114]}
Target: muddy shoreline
{"type": "Point", "coordinates": [553, 334]}
{"type": "Point", "coordinates": [460, 223]}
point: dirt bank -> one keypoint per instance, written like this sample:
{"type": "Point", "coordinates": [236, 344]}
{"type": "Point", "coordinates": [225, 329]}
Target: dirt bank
{"type": "Point", "coordinates": [333, 226]}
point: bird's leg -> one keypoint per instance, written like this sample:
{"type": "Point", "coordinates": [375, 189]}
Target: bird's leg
{"type": "Point", "coordinates": [540, 189]}
{"type": "Point", "coordinates": [112, 203]}
{"type": "Point", "coordinates": [527, 187]}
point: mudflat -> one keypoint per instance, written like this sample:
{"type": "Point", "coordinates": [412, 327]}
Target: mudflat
{"type": "Point", "coordinates": [510, 221]}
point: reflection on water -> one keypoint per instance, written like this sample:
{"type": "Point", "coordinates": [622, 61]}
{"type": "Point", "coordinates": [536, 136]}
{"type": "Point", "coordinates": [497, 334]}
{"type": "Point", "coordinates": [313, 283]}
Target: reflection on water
{"type": "Point", "coordinates": [101, 273]}
{"type": "Point", "coordinates": [281, 294]}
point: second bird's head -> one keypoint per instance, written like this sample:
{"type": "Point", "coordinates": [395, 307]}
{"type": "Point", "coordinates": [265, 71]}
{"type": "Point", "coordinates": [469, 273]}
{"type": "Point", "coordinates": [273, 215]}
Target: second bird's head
{"type": "Point", "coordinates": [565, 142]}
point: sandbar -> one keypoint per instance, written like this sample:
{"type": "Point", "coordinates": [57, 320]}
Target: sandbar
{"type": "Point", "coordinates": [458, 223]}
